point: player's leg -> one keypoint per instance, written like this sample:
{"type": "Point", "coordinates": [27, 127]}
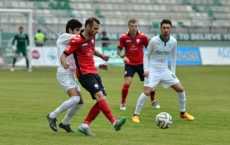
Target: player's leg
{"type": "Point", "coordinates": [24, 52]}
{"type": "Point", "coordinates": [93, 113]}
{"type": "Point", "coordinates": [68, 84]}
{"type": "Point", "coordinates": [17, 52]}
{"type": "Point", "coordinates": [72, 111]}
{"type": "Point", "coordinates": [150, 83]}
{"type": "Point", "coordinates": [129, 72]}
{"type": "Point", "coordinates": [93, 84]}
{"type": "Point", "coordinates": [140, 71]}
{"type": "Point", "coordinates": [88, 81]}
{"type": "Point", "coordinates": [140, 102]}
{"type": "Point", "coordinates": [104, 107]}
{"type": "Point", "coordinates": [182, 101]}
{"type": "Point", "coordinates": [169, 79]}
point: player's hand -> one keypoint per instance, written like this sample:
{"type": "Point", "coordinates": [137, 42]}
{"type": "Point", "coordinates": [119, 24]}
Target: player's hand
{"type": "Point", "coordinates": [103, 66]}
{"type": "Point", "coordinates": [28, 48]}
{"type": "Point", "coordinates": [14, 48]}
{"type": "Point", "coordinates": [126, 59]}
{"type": "Point", "coordinates": [105, 58]}
{"type": "Point", "coordinates": [66, 65]}
{"type": "Point", "coordinates": [146, 74]}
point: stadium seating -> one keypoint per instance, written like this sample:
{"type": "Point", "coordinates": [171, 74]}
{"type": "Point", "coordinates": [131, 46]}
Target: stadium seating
{"type": "Point", "coordinates": [183, 13]}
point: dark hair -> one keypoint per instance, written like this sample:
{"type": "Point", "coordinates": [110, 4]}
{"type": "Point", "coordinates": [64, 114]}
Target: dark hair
{"type": "Point", "coordinates": [132, 21]}
{"type": "Point", "coordinates": [90, 21]}
{"type": "Point", "coordinates": [103, 33]}
{"type": "Point", "coordinates": [20, 27]}
{"type": "Point", "coordinates": [166, 21]}
{"type": "Point", "coordinates": [72, 24]}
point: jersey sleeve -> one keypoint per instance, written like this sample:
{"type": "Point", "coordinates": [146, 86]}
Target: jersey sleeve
{"type": "Point", "coordinates": [64, 39]}
{"type": "Point", "coordinates": [14, 39]}
{"type": "Point", "coordinates": [147, 55]}
{"type": "Point", "coordinates": [121, 43]}
{"type": "Point", "coordinates": [173, 58]}
{"type": "Point", "coordinates": [72, 47]}
{"type": "Point", "coordinates": [27, 40]}
{"type": "Point", "coordinates": [146, 41]}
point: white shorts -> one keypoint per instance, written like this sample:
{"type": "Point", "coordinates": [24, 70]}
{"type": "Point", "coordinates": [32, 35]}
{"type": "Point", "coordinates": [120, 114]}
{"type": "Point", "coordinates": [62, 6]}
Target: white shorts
{"type": "Point", "coordinates": [67, 81]}
{"type": "Point", "coordinates": [165, 77]}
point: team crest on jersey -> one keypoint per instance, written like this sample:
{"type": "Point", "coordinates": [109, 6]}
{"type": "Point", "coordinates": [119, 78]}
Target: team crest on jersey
{"type": "Point", "coordinates": [170, 45]}
{"type": "Point", "coordinates": [137, 40]}
{"type": "Point", "coordinates": [92, 41]}
{"type": "Point", "coordinates": [96, 86]}
{"type": "Point", "coordinates": [89, 53]}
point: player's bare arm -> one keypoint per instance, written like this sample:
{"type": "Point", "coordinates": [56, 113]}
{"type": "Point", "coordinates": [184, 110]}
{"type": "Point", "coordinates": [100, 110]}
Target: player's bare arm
{"type": "Point", "coordinates": [98, 54]}
{"type": "Point", "coordinates": [63, 61]}
{"type": "Point", "coordinates": [125, 59]}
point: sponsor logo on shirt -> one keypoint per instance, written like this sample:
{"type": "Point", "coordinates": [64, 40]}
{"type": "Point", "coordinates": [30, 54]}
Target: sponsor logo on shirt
{"type": "Point", "coordinates": [128, 41]}
{"type": "Point", "coordinates": [162, 52]}
{"type": "Point", "coordinates": [84, 44]}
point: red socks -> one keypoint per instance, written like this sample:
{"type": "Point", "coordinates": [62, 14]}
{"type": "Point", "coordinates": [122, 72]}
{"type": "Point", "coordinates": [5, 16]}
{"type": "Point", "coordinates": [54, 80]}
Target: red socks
{"type": "Point", "coordinates": [95, 110]}
{"type": "Point", "coordinates": [106, 110]}
{"type": "Point", "coordinates": [124, 93]}
{"type": "Point", "coordinates": [93, 113]}
{"type": "Point", "coordinates": [152, 96]}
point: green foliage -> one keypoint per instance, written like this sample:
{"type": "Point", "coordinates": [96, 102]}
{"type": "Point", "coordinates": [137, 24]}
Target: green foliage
{"type": "Point", "coordinates": [26, 99]}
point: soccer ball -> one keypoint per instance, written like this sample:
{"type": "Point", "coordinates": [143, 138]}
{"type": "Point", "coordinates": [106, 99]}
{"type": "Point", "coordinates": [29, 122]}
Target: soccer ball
{"type": "Point", "coordinates": [163, 120]}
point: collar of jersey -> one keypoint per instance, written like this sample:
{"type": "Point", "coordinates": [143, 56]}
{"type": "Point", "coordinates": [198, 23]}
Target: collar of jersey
{"type": "Point", "coordinates": [165, 41]}
{"type": "Point", "coordinates": [83, 36]}
{"type": "Point", "coordinates": [134, 36]}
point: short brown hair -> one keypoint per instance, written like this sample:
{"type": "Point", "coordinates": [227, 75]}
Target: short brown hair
{"type": "Point", "coordinates": [132, 21]}
{"type": "Point", "coordinates": [90, 21]}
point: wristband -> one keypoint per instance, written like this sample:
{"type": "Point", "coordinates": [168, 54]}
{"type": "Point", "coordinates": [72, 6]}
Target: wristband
{"type": "Point", "coordinates": [122, 56]}
{"type": "Point", "coordinates": [101, 56]}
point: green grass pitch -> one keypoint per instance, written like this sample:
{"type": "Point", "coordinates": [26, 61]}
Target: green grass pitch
{"type": "Point", "coordinates": [26, 99]}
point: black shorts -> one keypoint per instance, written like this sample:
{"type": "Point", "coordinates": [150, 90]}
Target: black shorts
{"type": "Point", "coordinates": [130, 70]}
{"type": "Point", "coordinates": [92, 83]}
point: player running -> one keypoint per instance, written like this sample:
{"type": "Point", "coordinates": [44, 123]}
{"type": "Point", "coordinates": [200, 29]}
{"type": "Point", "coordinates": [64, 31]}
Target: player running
{"type": "Point", "coordinates": [82, 47]}
{"type": "Point", "coordinates": [67, 81]}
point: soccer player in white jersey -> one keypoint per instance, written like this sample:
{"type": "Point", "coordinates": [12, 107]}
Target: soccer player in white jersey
{"type": "Point", "coordinates": [67, 80]}
{"type": "Point", "coordinates": [156, 69]}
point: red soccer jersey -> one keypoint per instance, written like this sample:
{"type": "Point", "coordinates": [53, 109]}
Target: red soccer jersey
{"type": "Point", "coordinates": [83, 52]}
{"type": "Point", "coordinates": [133, 47]}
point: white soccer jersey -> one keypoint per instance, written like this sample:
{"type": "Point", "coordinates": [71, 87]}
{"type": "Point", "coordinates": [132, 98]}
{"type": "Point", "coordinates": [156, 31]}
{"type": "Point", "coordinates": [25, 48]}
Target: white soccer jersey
{"type": "Point", "coordinates": [158, 51]}
{"type": "Point", "coordinates": [62, 43]}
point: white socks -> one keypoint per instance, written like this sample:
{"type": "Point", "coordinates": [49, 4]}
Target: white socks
{"type": "Point", "coordinates": [140, 102]}
{"type": "Point", "coordinates": [71, 112]}
{"type": "Point", "coordinates": [65, 106]}
{"type": "Point", "coordinates": [182, 101]}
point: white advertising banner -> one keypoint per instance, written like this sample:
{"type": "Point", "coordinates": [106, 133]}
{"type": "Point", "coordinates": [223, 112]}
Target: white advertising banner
{"type": "Point", "coordinates": [42, 56]}
{"type": "Point", "coordinates": [47, 56]}
{"type": "Point", "coordinates": [215, 55]}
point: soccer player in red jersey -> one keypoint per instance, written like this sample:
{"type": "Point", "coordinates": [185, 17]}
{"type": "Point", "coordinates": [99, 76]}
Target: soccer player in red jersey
{"type": "Point", "coordinates": [82, 47]}
{"type": "Point", "coordinates": [133, 42]}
